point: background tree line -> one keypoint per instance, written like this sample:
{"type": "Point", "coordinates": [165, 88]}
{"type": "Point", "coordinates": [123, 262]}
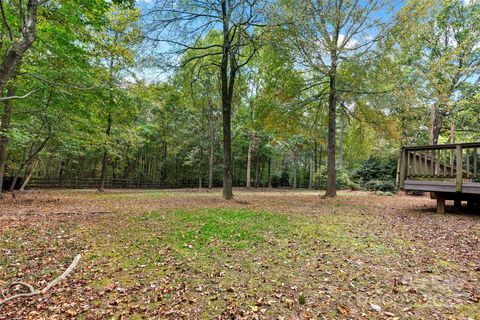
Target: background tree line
{"type": "Point", "coordinates": [232, 92]}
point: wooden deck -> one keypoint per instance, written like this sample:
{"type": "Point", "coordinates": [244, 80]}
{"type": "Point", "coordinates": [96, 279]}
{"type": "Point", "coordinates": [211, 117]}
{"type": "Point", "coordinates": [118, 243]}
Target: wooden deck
{"type": "Point", "coordinates": [449, 172]}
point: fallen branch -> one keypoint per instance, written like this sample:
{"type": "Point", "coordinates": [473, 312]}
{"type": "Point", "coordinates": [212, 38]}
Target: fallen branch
{"type": "Point", "coordinates": [31, 289]}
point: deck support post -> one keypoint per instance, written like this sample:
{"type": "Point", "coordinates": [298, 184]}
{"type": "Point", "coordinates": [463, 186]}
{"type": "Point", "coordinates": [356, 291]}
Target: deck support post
{"type": "Point", "coordinates": [457, 204]}
{"type": "Point", "coordinates": [440, 204]}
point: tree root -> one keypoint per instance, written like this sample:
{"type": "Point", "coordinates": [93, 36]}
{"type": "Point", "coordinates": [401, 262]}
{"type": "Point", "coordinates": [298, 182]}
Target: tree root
{"type": "Point", "coordinates": [32, 291]}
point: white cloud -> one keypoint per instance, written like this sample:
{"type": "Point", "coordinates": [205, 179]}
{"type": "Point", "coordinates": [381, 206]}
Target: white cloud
{"type": "Point", "coordinates": [350, 44]}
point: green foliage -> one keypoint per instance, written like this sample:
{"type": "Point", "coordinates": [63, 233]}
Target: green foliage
{"type": "Point", "coordinates": [88, 63]}
{"type": "Point", "coordinates": [377, 185]}
{"type": "Point", "coordinates": [343, 178]}
{"type": "Point", "coordinates": [376, 168]}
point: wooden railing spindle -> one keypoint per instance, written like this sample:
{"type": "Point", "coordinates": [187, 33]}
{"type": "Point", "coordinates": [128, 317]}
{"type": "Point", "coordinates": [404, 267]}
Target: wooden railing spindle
{"type": "Point", "coordinates": [415, 169]}
{"type": "Point", "coordinates": [459, 169]}
{"type": "Point", "coordinates": [475, 162]}
{"type": "Point", "coordinates": [426, 163]}
{"type": "Point", "coordinates": [408, 163]}
{"type": "Point", "coordinates": [451, 160]}
{"type": "Point", "coordinates": [444, 162]}
{"type": "Point", "coordinates": [467, 155]}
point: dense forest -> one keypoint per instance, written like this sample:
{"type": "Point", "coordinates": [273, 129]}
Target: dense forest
{"type": "Point", "coordinates": [201, 93]}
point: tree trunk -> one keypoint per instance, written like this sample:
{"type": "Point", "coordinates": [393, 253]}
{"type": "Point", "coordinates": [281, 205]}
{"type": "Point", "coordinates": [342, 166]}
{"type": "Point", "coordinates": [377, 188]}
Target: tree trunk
{"type": "Point", "coordinates": [15, 179]}
{"type": "Point", "coordinates": [319, 164]}
{"type": "Point", "coordinates": [4, 128]}
{"type": "Point", "coordinates": [165, 161]}
{"type": "Point", "coordinates": [257, 169]}
{"type": "Point", "coordinates": [436, 124]}
{"type": "Point", "coordinates": [103, 176]}
{"type": "Point", "coordinates": [22, 168]}
{"type": "Point", "coordinates": [228, 70]}
{"type": "Point", "coordinates": [249, 160]}
{"type": "Point", "coordinates": [14, 54]}
{"type": "Point", "coordinates": [452, 132]}
{"type": "Point", "coordinates": [340, 146]}
{"type": "Point", "coordinates": [432, 124]}
{"type": "Point", "coordinates": [315, 159]}
{"type": "Point", "coordinates": [227, 151]}
{"type": "Point", "coordinates": [30, 156]}
{"type": "Point", "coordinates": [332, 109]}
{"type": "Point", "coordinates": [295, 164]}
{"type": "Point", "coordinates": [269, 172]}
{"type": "Point", "coordinates": [311, 171]}
{"type": "Point", "coordinates": [199, 170]}
{"type": "Point", "coordinates": [211, 154]}
{"type": "Point", "coordinates": [28, 176]}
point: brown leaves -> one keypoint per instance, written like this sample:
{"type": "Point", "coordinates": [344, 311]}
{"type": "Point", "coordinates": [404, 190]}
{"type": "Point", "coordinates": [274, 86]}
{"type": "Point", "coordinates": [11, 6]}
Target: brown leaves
{"type": "Point", "coordinates": [343, 310]}
{"type": "Point", "coordinates": [387, 250]}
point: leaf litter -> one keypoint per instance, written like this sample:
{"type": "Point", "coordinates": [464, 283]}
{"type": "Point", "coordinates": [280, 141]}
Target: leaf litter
{"type": "Point", "coordinates": [184, 254]}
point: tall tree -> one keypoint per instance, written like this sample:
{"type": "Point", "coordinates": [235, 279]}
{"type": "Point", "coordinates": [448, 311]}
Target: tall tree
{"type": "Point", "coordinates": [326, 35]}
{"type": "Point", "coordinates": [181, 23]}
{"type": "Point", "coordinates": [117, 41]}
{"type": "Point", "coordinates": [18, 31]}
{"type": "Point", "coordinates": [17, 39]}
{"type": "Point", "coordinates": [439, 48]}
{"type": "Point", "coordinates": [63, 26]}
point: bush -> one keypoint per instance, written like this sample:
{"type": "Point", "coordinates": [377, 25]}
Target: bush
{"type": "Point", "coordinates": [343, 179]}
{"type": "Point", "coordinates": [355, 186]}
{"type": "Point", "coordinates": [377, 174]}
{"type": "Point", "coordinates": [374, 174]}
{"type": "Point", "coordinates": [280, 180]}
{"type": "Point", "coordinates": [275, 180]}
{"type": "Point", "coordinates": [375, 168]}
{"type": "Point", "coordinates": [376, 185]}
{"type": "Point", "coordinates": [284, 179]}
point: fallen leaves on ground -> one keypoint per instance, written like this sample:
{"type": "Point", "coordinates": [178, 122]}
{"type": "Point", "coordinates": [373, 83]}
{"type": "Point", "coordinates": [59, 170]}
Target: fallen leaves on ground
{"type": "Point", "coordinates": [176, 254]}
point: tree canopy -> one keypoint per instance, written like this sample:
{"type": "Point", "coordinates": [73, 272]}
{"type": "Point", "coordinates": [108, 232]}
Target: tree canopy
{"type": "Point", "coordinates": [231, 93]}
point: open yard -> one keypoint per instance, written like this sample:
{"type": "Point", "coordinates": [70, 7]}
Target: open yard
{"type": "Point", "coordinates": [187, 254]}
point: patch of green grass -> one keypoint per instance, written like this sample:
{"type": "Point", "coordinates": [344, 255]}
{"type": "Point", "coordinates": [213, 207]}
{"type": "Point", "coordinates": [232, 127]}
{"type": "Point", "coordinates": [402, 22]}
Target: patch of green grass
{"type": "Point", "coordinates": [477, 230]}
{"type": "Point", "coordinates": [256, 251]}
{"type": "Point", "coordinates": [446, 264]}
{"type": "Point", "coordinates": [471, 311]}
{"type": "Point", "coordinates": [214, 231]}
{"type": "Point", "coordinates": [193, 235]}
{"type": "Point", "coordinates": [302, 299]}
{"type": "Point", "coordinates": [215, 228]}
{"type": "Point", "coordinates": [102, 283]}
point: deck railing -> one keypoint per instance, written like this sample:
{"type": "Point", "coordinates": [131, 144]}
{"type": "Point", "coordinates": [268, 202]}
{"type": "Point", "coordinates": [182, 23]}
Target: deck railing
{"type": "Point", "coordinates": [457, 163]}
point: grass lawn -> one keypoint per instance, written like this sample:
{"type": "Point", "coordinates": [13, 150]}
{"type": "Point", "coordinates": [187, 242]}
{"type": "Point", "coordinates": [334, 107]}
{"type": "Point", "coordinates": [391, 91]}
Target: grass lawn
{"type": "Point", "coordinates": [187, 254]}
